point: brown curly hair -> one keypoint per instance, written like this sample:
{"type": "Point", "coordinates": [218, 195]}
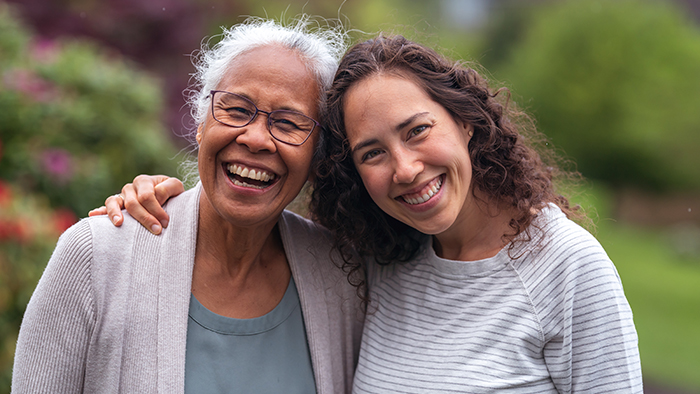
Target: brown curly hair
{"type": "Point", "coordinates": [506, 167]}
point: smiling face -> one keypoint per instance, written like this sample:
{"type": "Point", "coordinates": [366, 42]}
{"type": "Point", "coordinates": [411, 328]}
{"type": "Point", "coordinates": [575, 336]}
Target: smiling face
{"type": "Point", "coordinates": [410, 152]}
{"type": "Point", "coordinates": [247, 176]}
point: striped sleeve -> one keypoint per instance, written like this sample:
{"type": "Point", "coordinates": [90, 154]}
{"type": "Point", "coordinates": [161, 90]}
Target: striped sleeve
{"type": "Point", "coordinates": [590, 338]}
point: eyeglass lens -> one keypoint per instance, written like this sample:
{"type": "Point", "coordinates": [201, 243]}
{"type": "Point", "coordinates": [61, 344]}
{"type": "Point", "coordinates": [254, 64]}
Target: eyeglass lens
{"type": "Point", "coordinates": [237, 111]}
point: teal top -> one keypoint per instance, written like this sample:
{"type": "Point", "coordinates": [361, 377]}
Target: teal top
{"type": "Point", "coordinates": [266, 354]}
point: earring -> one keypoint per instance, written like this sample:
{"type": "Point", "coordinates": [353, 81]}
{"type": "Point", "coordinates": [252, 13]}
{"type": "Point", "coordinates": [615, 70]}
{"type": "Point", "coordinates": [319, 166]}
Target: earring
{"type": "Point", "coordinates": [471, 133]}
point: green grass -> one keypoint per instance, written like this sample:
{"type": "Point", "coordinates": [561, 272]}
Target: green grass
{"type": "Point", "coordinates": [664, 292]}
{"type": "Point", "coordinates": [663, 289]}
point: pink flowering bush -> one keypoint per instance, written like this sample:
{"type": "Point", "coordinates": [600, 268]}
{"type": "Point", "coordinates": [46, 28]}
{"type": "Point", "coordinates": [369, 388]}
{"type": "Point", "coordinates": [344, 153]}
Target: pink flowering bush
{"type": "Point", "coordinates": [76, 123]}
{"type": "Point", "coordinates": [29, 229]}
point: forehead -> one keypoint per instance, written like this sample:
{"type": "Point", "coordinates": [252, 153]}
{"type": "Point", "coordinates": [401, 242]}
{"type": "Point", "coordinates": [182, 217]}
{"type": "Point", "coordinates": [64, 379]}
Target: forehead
{"type": "Point", "coordinates": [382, 101]}
{"type": "Point", "coordinates": [273, 77]}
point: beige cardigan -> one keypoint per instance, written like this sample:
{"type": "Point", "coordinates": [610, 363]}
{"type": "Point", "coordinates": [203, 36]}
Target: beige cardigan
{"type": "Point", "coordinates": [110, 311]}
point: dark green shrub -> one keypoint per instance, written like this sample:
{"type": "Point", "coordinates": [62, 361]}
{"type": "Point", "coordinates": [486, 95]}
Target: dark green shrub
{"type": "Point", "coordinates": [615, 84]}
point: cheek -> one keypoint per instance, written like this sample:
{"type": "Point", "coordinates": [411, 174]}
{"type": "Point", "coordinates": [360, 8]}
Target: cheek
{"type": "Point", "coordinates": [298, 159]}
{"type": "Point", "coordinates": [376, 185]}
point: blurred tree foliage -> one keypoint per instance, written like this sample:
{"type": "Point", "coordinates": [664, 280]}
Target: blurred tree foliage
{"type": "Point", "coordinates": [76, 122]}
{"type": "Point", "coordinates": [159, 35]}
{"type": "Point", "coordinates": [28, 233]}
{"type": "Point", "coordinates": [616, 85]}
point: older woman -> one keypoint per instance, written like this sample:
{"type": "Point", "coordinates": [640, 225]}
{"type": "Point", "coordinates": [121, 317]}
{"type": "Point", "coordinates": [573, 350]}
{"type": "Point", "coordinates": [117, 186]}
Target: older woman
{"type": "Point", "coordinates": [238, 295]}
{"type": "Point", "coordinates": [481, 283]}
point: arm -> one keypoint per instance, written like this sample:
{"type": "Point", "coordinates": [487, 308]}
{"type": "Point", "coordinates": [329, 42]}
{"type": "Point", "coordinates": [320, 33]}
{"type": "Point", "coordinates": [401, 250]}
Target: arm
{"type": "Point", "coordinates": [57, 326]}
{"type": "Point", "coordinates": [143, 199]}
{"type": "Point", "coordinates": [596, 349]}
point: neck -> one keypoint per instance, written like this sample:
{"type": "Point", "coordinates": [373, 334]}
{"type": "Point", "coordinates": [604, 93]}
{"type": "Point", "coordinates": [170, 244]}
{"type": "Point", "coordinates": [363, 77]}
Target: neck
{"type": "Point", "coordinates": [232, 250]}
{"type": "Point", "coordinates": [478, 234]}
{"type": "Point", "coordinates": [239, 272]}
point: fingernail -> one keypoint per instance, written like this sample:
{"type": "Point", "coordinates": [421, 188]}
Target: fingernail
{"type": "Point", "coordinates": [114, 219]}
{"type": "Point", "coordinates": [164, 223]}
{"type": "Point", "coordinates": [155, 229]}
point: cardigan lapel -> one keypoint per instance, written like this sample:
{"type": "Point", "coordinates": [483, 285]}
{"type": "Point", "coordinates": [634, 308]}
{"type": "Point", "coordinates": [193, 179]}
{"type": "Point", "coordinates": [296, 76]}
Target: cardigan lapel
{"type": "Point", "coordinates": [174, 289]}
{"type": "Point", "coordinates": [313, 301]}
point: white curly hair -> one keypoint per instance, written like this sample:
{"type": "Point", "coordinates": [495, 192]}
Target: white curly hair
{"type": "Point", "coordinates": [317, 42]}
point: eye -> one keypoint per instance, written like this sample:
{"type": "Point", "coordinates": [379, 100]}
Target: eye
{"type": "Point", "coordinates": [233, 114]}
{"type": "Point", "coordinates": [285, 124]}
{"type": "Point", "coordinates": [236, 111]}
{"type": "Point", "coordinates": [370, 155]}
{"type": "Point", "coordinates": [417, 130]}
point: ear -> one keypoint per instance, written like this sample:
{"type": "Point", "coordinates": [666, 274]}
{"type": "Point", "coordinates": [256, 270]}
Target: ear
{"type": "Point", "coordinates": [198, 136]}
{"type": "Point", "coordinates": [468, 129]}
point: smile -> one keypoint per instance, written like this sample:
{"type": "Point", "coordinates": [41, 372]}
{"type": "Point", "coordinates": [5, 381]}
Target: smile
{"type": "Point", "coordinates": [424, 195]}
{"type": "Point", "coordinates": [248, 177]}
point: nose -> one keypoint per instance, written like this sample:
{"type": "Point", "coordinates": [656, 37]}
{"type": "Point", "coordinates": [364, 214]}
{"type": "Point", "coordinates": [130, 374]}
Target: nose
{"type": "Point", "coordinates": [406, 167]}
{"type": "Point", "coordinates": [256, 135]}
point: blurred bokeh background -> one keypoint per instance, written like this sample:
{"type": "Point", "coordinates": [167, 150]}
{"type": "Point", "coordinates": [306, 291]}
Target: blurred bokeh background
{"type": "Point", "coordinates": [91, 95]}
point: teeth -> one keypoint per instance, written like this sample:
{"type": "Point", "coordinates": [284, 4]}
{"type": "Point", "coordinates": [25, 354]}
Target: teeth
{"type": "Point", "coordinates": [243, 184]}
{"type": "Point", "coordinates": [258, 175]}
{"type": "Point", "coordinates": [426, 196]}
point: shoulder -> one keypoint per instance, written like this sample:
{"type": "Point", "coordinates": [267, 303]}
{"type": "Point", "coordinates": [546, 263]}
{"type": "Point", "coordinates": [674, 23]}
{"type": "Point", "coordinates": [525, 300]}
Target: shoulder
{"type": "Point", "coordinates": [92, 234]}
{"type": "Point", "coordinates": [302, 231]}
{"type": "Point", "coordinates": [74, 249]}
{"type": "Point", "coordinates": [305, 241]}
{"type": "Point", "coordinates": [564, 256]}
{"type": "Point", "coordinates": [559, 239]}
{"type": "Point", "coordinates": [309, 248]}
{"type": "Point", "coordinates": [187, 201]}
{"type": "Point", "coordinates": [566, 266]}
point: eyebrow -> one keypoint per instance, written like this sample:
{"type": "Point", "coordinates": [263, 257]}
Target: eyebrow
{"type": "Point", "coordinates": [410, 120]}
{"type": "Point", "coordinates": [284, 107]}
{"type": "Point", "coordinates": [362, 145]}
{"type": "Point", "coordinates": [398, 127]}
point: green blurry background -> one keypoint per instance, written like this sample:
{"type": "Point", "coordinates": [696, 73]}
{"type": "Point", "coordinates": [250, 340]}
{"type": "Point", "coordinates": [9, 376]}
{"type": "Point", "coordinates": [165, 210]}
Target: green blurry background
{"type": "Point", "coordinates": [91, 95]}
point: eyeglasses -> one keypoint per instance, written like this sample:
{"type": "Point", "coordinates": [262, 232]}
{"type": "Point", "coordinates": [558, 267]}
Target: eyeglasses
{"type": "Point", "coordinates": [234, 110]}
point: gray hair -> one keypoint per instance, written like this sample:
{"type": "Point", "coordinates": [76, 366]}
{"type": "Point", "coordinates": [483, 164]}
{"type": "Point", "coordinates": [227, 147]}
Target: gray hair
{"type": "Point", "coordinates": [320, 46]}
{"type": "Point", "coordinates": [320, 43]}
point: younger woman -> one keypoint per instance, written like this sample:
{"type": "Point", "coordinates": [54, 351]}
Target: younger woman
{"type": "Point", "coordinates": [483, 284]}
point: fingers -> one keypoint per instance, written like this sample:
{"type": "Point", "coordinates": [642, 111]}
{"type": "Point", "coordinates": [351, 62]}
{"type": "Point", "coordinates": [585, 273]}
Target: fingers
{"type": "Point", "coordinates": [114, 205]}
{"type": "Point", "coordinates": [169, 188]}
{"type": "Point", "coordinates": [141, 203]}
{"type": "Point", "coordinates": [98, 211]}
{"type": "Point", "coordinates": [145, 197]}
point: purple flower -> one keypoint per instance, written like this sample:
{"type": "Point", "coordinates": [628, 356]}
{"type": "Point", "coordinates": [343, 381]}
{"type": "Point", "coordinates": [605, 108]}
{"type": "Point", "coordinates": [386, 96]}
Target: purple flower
{"type": "Point", "coordinates": [57, 163]}
{"type": "Point", "coordinates": [30, 84]}
{"type": "Point", "coordinates": [44, 51]}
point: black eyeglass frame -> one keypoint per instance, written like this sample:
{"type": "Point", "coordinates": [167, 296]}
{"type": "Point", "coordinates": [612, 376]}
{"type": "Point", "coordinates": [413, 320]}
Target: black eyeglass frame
{"type": "Point", "coordinates": [212, 93]}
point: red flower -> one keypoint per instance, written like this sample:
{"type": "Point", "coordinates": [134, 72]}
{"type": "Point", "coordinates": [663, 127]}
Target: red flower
{"type": "Point", "coordinates": [63, 219]}
{"type": "Point", "coordinates": [10, 230]}
{"type": "Point", "coordinates": [5, 194]}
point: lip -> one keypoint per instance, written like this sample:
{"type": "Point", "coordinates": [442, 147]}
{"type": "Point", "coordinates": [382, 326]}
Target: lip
{"type": "Point", "coordinates": [247, 189]}
{"type": "Point", "coordinates": [427, 204]}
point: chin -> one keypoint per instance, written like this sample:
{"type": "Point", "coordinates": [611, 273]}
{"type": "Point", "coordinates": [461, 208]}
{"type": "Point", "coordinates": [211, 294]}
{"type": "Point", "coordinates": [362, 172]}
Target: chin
{"type": "Point", "coordinates": [429, 229]}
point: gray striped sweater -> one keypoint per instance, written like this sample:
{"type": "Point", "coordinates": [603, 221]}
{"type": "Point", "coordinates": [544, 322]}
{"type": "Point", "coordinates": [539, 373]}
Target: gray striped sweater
{"type": "Point", "coordinates": [548, 316]}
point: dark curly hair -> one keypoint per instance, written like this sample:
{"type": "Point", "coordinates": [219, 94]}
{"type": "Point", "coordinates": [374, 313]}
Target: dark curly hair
{"type": "Point", "coordinates": [506, 167]}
